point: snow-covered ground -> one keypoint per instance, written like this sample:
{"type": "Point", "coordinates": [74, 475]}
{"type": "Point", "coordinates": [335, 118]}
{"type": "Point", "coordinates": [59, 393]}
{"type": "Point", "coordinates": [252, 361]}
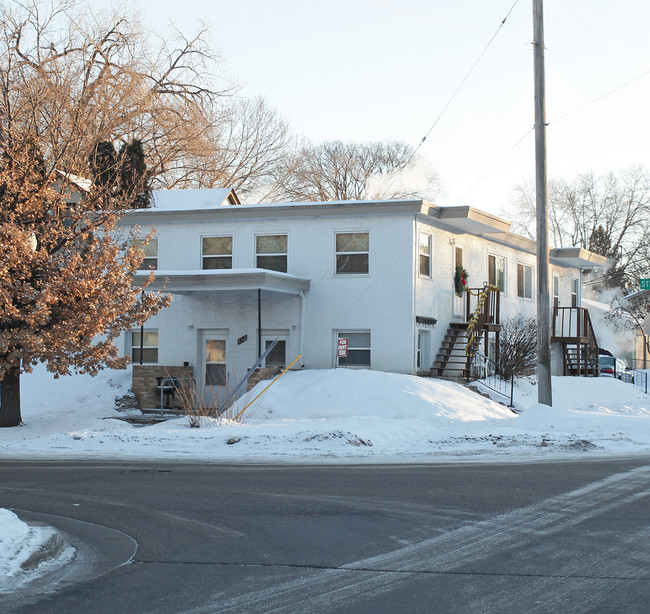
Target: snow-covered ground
{"type": "Point", "coordinates": [317, 416]}
{"type": "Point", "coordinates": [335, 415]}
{"type": "Point", "coordinates": [27, 552]}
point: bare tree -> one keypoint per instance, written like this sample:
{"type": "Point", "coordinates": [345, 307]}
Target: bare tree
{"type": "Point", "coordinates": [241, 149]}
{"type": "Point", "coordinates": [352, 171]}
{"type": "Point", "coordinates": [65, 280]}
{"type": "Point", "coordinates": [629, 313]}
{"type": "Point", "coordinates": [608, 214]}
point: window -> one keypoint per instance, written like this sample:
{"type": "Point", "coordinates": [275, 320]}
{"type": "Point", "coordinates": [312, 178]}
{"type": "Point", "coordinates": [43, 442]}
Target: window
{"type": "Point", "coordinates": [425, 255]}
{"type": "Point", "coordinates": [524, 281]}
{"type": "Point", "coordinates": [144, 348]}
{"type": "Point", "coordinates": [497, 272]}
{"type": "Point", "coordinates": [215, 362]}
{"type": "Point", "coordinates": [216, 253]}
{"type": "Point", "coordinates": [556, 291]}
{"type": "Point", "coordinates": [278, 355]}
{"type": "Point", "coordinates": [150, 261]}
{"type": "Point", "coordinates": [352, 252]}
{"type": "Point", "coordinates": [358, 350]}
{"type": "Point", "coordinates": [271, 252]}
{"type": "Point", "coordinates": [575, 284]}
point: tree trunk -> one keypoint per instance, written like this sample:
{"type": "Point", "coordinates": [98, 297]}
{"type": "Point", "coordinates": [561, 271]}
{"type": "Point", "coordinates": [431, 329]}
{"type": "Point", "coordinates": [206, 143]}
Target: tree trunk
{"type": "Point", "coordinates": [10, 399]}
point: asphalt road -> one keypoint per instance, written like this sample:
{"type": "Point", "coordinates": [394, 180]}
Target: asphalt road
{"type": "Point", "coordinates": [479, 538]}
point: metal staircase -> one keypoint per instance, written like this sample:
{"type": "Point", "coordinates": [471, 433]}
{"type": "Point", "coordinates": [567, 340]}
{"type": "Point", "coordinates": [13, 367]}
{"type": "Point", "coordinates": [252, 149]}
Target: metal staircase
{"type": "Point", "coordinates": [462, 339]}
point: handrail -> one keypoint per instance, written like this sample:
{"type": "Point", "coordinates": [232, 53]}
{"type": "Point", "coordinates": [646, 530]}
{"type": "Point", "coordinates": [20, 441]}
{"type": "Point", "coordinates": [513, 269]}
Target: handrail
{"type": "Point", "coordinates": [486, 371]}
{"type": "Point", "coordinates": [573, 322]}
{"type": "Point", "coordinates": [489, 295]}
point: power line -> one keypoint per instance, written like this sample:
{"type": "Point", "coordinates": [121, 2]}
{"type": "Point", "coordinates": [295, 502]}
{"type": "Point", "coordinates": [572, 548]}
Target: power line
{"type": "Point", "coordinates": [501, 159]}
{"type": "Point", "coordinates": [586, 104]}
{"type": "Point", "coordinates": [469, 72]}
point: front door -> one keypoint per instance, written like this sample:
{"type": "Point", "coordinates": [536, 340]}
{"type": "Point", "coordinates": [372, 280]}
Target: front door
{"type": "Point", "coordinates": [215, 372]}
{"type": "Point", "coordinates": [458, 306]}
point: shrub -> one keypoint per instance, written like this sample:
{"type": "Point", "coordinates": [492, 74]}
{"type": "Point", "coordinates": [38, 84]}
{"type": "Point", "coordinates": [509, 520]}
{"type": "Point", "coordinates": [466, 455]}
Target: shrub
{"type": "Point", "coordinates": [518, 347]}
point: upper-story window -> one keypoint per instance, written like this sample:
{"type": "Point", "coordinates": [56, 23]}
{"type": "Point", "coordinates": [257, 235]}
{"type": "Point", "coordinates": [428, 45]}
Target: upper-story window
{"type": "Point", "coordinates": [216, 253]}
{"type": "Point", "coordinates": [150, 249]}
{"type": "Point", "coordinates": [352, 250]}
{"type": "Point", "coordinates": [271, 252]}
{"type": "Point", "coordinates": [497, 271]}
{"type": "Point", "coordinates": [524, 281]}
{"type": "Point", "coordinates": [424, 250]}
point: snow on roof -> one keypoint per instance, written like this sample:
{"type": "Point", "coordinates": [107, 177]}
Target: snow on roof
{"type": "Point", "coordinates": [80, 182]}
{"type": "Point", "coordinates": [181, 200]}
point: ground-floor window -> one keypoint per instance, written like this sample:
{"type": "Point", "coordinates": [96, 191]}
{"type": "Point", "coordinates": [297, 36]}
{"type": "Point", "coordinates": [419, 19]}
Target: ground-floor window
{"type": "Point", "coordinates": [144, 347]}
{"type": "Point", "coordinates": [278, 355]}
{"type": "Point", "coordinates": [358, 349]}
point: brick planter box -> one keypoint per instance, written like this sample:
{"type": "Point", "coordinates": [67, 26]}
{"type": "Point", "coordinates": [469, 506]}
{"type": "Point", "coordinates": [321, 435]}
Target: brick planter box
{"type": "Point", "coordinates": [145, 383]}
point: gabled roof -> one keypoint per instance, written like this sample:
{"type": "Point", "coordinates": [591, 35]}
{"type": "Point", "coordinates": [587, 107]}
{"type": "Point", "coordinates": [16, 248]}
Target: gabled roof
{"type": "Point", "coordinates": [81, 183]}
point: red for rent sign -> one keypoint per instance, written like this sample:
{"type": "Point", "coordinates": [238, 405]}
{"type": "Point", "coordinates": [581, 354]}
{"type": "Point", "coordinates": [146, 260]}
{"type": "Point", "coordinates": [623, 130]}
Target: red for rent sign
{"type": "Point", "coordinates": [342, 350]}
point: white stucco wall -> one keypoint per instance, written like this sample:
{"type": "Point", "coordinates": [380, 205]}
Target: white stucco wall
{"type": "Point", "coordinates": [384, 302]}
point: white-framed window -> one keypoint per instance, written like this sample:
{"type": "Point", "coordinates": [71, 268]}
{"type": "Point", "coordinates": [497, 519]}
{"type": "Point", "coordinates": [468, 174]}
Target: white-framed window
{"type": "Point", "coordinates": [424, 252]}
{"type": "Point", "coordinates": [556, 291]}
{"type": "Point", "coordinates": [524, 280]}
{"type": "Point", "coordinates": [358, 349]}
{"type": "Point", "coordinates": [216, 252]}
{"type": "Point", "coordinates": [215, 362]}
{"type": "Point", "coordinates": [497, 271]}
{"type": "Point", "coordinates": [352, 253]}
{"type": "Point", "coordinates": [575, 291]}
{"type": "Point", "coordinates": [144, 347]}
{"type": "Point", "coordinates": [278, 355]}
{"type": "Point", "coordinates": [271, 252]}
{"type": "Point", "coordinates": [150, 249]}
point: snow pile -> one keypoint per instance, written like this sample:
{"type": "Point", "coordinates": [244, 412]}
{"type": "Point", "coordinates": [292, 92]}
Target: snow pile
{"type": "Point", "coordinates": [27, 552]}
{"type": "Point", "coordinates": [333, 415]}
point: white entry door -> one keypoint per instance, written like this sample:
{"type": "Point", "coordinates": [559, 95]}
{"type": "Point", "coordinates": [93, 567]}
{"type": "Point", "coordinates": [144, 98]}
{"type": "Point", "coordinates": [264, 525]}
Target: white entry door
{"type": "Point", "coordinates": [214, 378]}
{"type": "Point", "coordinates": [459, 301]}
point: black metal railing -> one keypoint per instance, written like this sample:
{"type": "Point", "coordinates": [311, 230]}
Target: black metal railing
{"type": "Point", "coordinates": [639, 380]}
{"type": "Point", "coordinates": [486, 372]}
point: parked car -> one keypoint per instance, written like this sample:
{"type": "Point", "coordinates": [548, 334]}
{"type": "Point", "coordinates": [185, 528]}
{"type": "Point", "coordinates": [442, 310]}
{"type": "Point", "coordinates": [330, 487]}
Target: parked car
{"type": "Point", "coordinates": [610, 366]}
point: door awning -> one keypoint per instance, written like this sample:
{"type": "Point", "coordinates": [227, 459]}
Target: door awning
{"type": "Point", "coordinates": [219, 280]}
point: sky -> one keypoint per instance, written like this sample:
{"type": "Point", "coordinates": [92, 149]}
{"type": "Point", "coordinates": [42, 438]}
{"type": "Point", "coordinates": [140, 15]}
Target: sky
{"type": "Point", "coordinates": [371, 70]}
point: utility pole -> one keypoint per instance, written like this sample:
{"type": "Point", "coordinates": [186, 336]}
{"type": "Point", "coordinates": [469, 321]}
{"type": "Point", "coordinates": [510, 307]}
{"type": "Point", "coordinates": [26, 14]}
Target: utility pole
{"type": "Point", "coordinates": [544, 393]}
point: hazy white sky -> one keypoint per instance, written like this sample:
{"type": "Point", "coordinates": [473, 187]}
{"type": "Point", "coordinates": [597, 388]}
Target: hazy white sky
{"type": "Point", "coordinates": [385, 69]}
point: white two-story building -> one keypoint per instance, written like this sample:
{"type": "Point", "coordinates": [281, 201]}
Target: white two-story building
{"type": "Point", "coordinates": [377, 273]}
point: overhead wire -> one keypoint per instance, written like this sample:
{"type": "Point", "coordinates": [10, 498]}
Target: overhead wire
{"type": "Point", "coordinates": [453, 96]}
{"type": "Point", "coordinates": [586, 104]}
{"type": "Point", "coordinates": [501, 159]}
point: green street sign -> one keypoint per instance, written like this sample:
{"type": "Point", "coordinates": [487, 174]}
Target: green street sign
{"type": "Point", "coordinates": [645, 284]}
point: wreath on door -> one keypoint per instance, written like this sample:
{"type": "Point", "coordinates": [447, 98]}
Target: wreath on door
{"type": "Point", "coordinates": [460, 280]}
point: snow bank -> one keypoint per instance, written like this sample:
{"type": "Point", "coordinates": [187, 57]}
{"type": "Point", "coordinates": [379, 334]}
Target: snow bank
{"type": "Point", "coordinates": [27, 552]}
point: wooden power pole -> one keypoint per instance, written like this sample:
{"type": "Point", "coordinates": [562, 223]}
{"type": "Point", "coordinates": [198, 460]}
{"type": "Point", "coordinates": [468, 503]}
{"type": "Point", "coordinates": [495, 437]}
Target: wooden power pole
{"type": "Point", "coordinates": [544, 393]}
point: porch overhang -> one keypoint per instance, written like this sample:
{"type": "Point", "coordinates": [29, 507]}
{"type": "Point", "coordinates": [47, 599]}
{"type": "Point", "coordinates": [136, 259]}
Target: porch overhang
{"type": "Point", "coordinates": [219, 280]}
{"type": "Point", "coordinates": [470, 220]}
{"type": "Point", "coordinates": [578, 257]}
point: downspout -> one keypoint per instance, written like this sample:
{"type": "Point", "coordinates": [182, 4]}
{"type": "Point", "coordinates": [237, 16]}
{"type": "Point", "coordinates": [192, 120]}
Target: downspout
{"type": "Point", "coordinates": [301, 338]}
{"type": "Point", "coordinates": [414, 277]}
{"type": "Point", "coordinates": [259, 322]}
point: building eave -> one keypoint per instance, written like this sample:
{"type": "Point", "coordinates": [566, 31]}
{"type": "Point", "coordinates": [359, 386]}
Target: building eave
{"type": "Point", "coordinates": [578, 257]}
